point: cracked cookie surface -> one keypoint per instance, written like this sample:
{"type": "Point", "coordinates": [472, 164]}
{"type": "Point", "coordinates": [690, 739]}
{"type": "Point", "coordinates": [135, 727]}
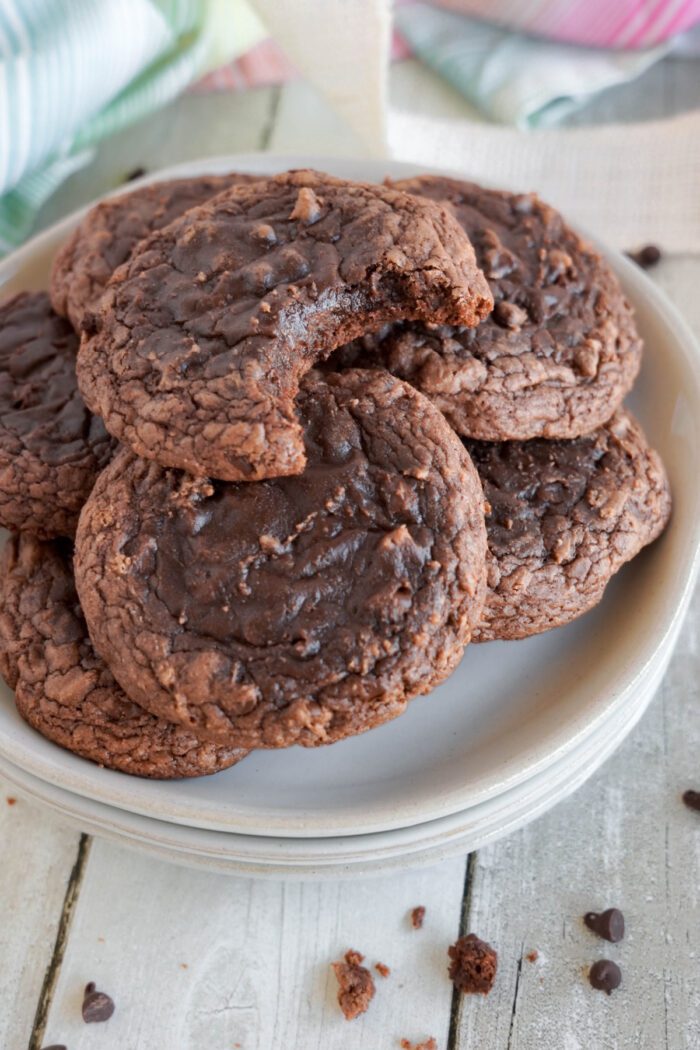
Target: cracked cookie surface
{"type": "Point", "coordinates": [51, 447]}
{"type": "Point", "coordinates": [195, 355]}
{"type": "Point", "coordinates": [110, 231]}
{"type": "Point", "coordinates": [564, 517]}
{"type": "Point", "coordinates": [293, 610]}
{"type": "Point", "coordinates": [65, 691]}
{"type": "Point", "coordinates": [560, 350]}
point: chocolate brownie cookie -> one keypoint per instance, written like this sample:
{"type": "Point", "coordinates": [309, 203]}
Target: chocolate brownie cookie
{"type": "Point", "coordinates": [51, 447]}
{"type": "Point", "coordinates": [111, 230]}
{"type": "Point", "coordinates": [558, 353]}
{"type": "Point", "coordinates": [64, 690]}
{"type": "Point", "coordinates": [195, 358]}
{"type": "Point", "coordinates": [294, 610]}
{"type": "Point", "coordinates": [564, 517]}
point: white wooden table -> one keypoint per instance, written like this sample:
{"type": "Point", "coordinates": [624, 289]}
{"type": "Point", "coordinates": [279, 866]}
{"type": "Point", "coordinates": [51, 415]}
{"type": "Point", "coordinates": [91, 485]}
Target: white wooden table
{"type": "Point", "coordinates": [204, 962]}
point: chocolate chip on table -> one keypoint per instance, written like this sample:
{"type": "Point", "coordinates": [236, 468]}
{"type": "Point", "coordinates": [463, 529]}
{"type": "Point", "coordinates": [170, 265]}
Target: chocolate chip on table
{"type": "Point", "coordinates": [473, 965]}
{"type": "Point", "coordinates": [646, 257]}
{"type": "Point", "coordinates": [692, 799]}
{"type": "Point", "coordinates": [605, 975]}
{"type": "Point", "coordinates": [137, 173]}
{"type": "Point", "coordinates": [355, 985]}
{"type": "Point", "coordinates": [609, 924]}
{"type": "Point", "coordinates": [417, 916]}
{"type": "Point", "coordinates": [97, 1006]}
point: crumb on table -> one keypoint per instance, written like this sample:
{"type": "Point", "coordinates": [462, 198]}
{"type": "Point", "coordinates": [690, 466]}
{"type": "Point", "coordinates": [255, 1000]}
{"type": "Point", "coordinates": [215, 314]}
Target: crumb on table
{"type": "Point", "coordinates": [355, 985]}
{"type": "Point", "coordinates": [417, 917]}
{"type": "Point", "coordinates": [473, 965]}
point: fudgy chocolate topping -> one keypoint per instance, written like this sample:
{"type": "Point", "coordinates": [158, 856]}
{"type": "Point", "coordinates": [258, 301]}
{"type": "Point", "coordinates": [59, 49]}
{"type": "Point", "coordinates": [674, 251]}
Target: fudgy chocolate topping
{"type": "Point", "coordinates": [562, 517]}
{"type": "Point", "coordinates": [111, 230]}
{"type": "Point", "coordinates": [295, 609]}
{"type": "Point", "coordinates": [64, 690]}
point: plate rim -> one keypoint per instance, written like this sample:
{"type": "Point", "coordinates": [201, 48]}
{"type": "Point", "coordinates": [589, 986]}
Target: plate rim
{"type": "Point", "coordinates": [564, 739]}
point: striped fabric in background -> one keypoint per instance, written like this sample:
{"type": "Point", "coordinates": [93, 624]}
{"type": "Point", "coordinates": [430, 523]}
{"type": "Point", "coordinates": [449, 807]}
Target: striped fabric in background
{"type": "Point", "coordinates": [73, 71]}
{"type": "Point", "coordinates": [592, 23]}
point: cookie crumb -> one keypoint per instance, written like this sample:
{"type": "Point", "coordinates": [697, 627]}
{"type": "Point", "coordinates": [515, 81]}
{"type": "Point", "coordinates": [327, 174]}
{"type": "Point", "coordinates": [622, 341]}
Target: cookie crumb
{"type": "Point", "coordinates": [382, 969]}
{"type": "Point", "coordinates": [10, 800]}
{"type": "Point", "coordinates": [605, 975]}
{"type": "Point", "coordinates": [356, 985]}
{"type": "Point", "coordinates": [533, 956]}
{"type": "Point", "coordinates": [417, 916]}
{"type": "Point", "coordinates": [97, 1006]}
{"type": "Point", "coordinates": [473, 965]}
{"type": "Point", "coordinates": [54, 1046]}
{"type": "Point", "coordinates": [427, 1044]}
{"type": "Point", "coordinates": [646, 257]}
{"type": "Point", "coordinates": [184, 966]}
{"type": "Point", "coordinates": [690, 797]}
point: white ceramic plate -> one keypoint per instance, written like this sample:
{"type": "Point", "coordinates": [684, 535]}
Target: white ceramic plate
{"type": "Point", "coordinates": [347, 856]}
{"type": "Point", "coordinates": [509, 711]}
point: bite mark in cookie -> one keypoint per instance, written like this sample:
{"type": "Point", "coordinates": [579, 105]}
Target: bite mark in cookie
{"type": "Point", "coordinates": [558, 353]}
{"type": "Point", "coordinates": [294, 610]}
{"type": "Point", "coordinates": [196, 353]}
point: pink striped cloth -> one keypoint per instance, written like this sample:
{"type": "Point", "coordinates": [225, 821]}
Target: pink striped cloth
{"type": "Point", "coordinates": [621, 24]}
{"type": "Point", "coordinates": [611, 24]}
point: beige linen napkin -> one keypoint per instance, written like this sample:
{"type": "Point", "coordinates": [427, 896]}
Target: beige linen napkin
{"type": "Point", "coordinates": [631, 183]}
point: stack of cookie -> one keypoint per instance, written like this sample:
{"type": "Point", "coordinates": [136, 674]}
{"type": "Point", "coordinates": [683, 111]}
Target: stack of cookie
{"type": "Point", "coordinates": [315, 436]}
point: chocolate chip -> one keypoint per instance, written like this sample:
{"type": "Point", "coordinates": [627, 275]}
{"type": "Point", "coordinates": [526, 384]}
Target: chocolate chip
{"type": "Point", "coordinates": [692, 799]}
{"type": "Point", "coordinates": [605, 975]}
{"type": "Point", "coordinates": [417, 916]}
{"type": "Point", "coordinates": [137, 173]}
{"type": "Point", "coordinates": [609, 924]}
{"type": "Point", "coordinates": [646, 257]}
{"type": "Point", "coordinates": [97, 1006]}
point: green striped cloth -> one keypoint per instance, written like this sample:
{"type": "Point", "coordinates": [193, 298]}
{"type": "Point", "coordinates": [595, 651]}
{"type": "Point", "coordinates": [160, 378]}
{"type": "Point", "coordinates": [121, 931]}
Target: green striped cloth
{"type": "Point", "coordinates": [73, 71]}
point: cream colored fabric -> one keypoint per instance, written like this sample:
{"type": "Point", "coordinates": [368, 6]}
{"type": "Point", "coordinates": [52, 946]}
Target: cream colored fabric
{"type": "Point", "coordinates": [342, 48]}
{"type": "Point", "coordinates": [631, 184]}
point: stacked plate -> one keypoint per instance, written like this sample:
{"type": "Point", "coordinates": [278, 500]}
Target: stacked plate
{"type": "Point", "coordinates": [517, 727]}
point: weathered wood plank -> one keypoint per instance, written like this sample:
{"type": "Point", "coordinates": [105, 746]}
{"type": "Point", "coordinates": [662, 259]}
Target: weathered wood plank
{"type": "Point", "coordinates": [624, 840]}
{"type": "Point", "coordinates": [196, 960]}
{"type": "Point", "coordinates": [38, 855]}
